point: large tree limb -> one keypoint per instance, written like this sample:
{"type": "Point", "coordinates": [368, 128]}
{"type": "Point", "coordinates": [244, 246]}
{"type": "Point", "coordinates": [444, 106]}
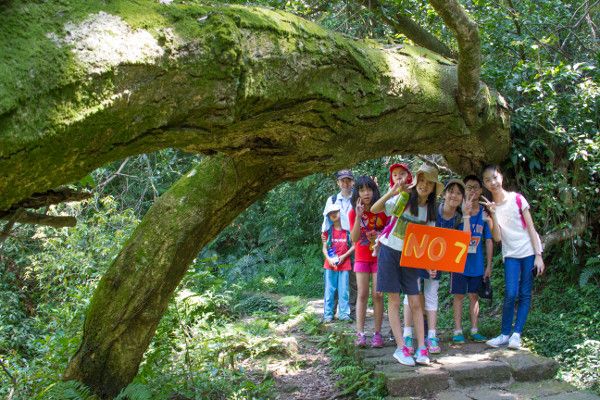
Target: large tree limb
{"type": "Point", "coordinates": [245, 79]}
{"type": "Point", "coordinates": [469, 55]}
{"type": "Point", "coordinates": [405, 25]}
{"type": "Point", "coordinates": [50, 197]}
{"type": "Point", "coordinates": [27, 217]}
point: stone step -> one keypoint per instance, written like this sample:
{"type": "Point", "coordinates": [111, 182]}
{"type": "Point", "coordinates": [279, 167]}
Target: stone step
{"type": "Point", "coordinates": [542, 390]}
{"type": "Point", "coordinates": [458, 366]}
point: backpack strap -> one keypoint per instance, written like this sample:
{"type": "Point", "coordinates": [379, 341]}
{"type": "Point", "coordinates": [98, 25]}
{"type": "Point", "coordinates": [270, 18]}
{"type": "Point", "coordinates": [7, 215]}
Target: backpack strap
{"type": "Point", "coordinates": [388, 228]}
{"type": "Point", "coordinates": [457, 218]}
{"type": "Point", "coordinates": [329, 235]}
{"type": "Point", "coordinates": [519, 200]}
{"type": "Point", "coordinates": [334, 199]}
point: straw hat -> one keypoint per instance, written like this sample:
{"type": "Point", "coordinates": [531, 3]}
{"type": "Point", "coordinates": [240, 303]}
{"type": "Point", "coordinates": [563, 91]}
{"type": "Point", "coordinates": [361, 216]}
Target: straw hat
{"type": "Point", "coordinates": [430, 173]}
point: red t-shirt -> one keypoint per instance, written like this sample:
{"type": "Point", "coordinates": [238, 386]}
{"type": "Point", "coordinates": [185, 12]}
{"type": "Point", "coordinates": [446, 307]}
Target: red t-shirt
{"type": "Point", "coordinates": [370, 226]}
{"type": "Point", "coordinates": [339, 243]}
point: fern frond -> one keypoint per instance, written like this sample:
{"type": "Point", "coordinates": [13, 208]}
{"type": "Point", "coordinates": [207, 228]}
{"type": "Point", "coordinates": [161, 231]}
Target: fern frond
{"type": "Point", "coordinates": [135, 391]}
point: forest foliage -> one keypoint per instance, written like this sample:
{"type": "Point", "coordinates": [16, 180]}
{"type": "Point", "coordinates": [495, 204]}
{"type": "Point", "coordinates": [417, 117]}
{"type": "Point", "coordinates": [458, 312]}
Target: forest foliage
{"type": "Point", "coordinates": [542, 56]}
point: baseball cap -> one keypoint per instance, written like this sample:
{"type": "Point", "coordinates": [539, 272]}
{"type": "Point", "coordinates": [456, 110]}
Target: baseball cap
{"type": "Point", "coordinates": [344, 173]}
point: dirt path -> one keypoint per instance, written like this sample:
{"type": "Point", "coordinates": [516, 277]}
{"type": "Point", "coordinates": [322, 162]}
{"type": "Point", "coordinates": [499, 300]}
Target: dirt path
{"type": "Point", "coordinates": [308, 373]}
{"type": "Point", "coordinates": [305, 372]}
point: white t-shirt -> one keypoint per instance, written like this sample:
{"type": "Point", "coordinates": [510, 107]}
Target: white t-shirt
{"type": "Point", "coordinates": [516, 242]}
{"type": "Point", "coordinates": [345, 206]}
{"type": "Point", "coordinates": [394, 241]}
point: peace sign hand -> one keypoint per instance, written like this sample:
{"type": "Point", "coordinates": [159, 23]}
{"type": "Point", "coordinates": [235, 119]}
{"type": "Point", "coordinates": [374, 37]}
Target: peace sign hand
{"type": "Point", "coordinates": [360, 208]}
{"type": "Point", "coordinates": [467, 205]}
{"type": "Point", "coordinates": [490, 205]}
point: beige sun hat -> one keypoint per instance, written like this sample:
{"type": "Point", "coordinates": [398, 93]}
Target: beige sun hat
{"type": "Point", "coordinates": [455, 181]}
{"type": "Point", "coordinates": [431, 174]}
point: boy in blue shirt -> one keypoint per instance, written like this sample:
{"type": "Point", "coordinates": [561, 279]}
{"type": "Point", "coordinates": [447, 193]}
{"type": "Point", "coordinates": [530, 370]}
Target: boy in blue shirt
{"type": "Point", "coordinates": [474, 274]}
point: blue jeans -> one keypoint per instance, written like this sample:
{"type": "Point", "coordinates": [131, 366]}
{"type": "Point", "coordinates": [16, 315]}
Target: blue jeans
{"type": "Point", "coordinates": [337, 281]}
{"type": "Point", "coordinates": [518, 280]}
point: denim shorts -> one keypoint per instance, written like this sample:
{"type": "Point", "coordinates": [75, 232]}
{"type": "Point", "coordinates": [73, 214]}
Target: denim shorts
{"type": "Point", "coordinates": [391, 277]}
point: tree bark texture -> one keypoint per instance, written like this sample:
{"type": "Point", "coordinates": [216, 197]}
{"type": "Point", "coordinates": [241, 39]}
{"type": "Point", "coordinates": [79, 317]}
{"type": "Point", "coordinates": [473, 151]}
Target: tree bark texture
{"type": "Point", "coordinates": [469, 56]}
{"type": "Point", "coordinates": [230, 80]}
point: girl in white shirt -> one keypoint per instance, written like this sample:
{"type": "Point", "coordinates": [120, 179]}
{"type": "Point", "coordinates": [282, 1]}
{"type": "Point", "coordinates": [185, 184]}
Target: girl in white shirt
{"type": "Point", "coordinates": [521, 252]}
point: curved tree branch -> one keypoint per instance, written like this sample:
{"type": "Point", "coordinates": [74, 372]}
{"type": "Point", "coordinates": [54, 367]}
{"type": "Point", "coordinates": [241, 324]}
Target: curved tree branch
{"type": "Point", "coordinates": [469, 56]}
{"type": "Point", "coordinates": [579, 226]}
{"type": "Point", "coordinates": [50, 197]}
{"type": "Point", "coordinates": [249, 79]}
{"type": "Point", "coordinates": [270, 97]}
{"type": "Point", "coordinates": [28, 217]}
{"type": "Point", "coordinates": [405, 25]}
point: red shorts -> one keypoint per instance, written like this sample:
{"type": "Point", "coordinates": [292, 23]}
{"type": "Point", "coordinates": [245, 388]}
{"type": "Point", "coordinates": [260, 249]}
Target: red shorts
{"type": "Point", "coordinates": [365, 266]}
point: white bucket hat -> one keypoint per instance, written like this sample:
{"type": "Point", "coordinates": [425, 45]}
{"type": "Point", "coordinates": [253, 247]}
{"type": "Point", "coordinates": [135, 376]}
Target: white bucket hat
{"type": "Point", "coordinates": [331, 207]}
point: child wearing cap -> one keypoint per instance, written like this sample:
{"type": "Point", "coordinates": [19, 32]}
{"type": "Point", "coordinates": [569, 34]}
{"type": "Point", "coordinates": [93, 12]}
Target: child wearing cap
{"type": "Point", "coordinates": [471, 279]}
{"type": "Point", "coordinates": [365, 227]}
{"type": "Point", "coordinates": [394, 279]}
{"type": "Point", "coordinates": [337, 249]}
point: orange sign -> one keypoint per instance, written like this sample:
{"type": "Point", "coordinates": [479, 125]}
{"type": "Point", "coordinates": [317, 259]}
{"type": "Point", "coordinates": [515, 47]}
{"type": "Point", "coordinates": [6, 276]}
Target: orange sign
{"type": "Point", "coordinates": [427, 247]}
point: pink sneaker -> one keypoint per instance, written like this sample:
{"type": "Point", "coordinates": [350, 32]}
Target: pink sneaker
{"type": "Point", "coordinates": [377, 340]}
{"type": "Point", "coordinates": [361, 340]}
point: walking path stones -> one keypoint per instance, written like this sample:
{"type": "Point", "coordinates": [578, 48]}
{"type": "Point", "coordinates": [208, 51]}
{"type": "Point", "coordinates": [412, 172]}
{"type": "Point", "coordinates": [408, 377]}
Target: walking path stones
{"type": "Point", "coordinates": [469, 371]}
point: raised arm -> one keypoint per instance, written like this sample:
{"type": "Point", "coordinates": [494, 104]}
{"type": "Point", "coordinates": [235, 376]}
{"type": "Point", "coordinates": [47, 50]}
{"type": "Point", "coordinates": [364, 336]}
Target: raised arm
{"type": "Point", "coordinates": [491, 207]}
{"type": "Point", "coordinates": [355, 222]}
{"type": "Point", "coordinates": [379, 205]}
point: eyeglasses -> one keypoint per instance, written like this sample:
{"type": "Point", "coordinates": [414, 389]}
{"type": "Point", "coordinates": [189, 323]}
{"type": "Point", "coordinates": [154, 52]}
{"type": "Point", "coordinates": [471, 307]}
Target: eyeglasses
{"type": "Point", "coordinates": [469, 187]}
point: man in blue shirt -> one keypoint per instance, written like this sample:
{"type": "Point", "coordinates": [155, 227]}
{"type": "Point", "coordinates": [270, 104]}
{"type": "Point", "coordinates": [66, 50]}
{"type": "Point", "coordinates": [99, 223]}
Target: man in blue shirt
{"type": "Point", "coordinates": [474, 274]}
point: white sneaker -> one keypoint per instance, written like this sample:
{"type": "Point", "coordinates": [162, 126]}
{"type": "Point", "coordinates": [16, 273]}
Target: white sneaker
{"type": "Point", "coordinates": [422, 356]}
{"type": "Point", "coordinates": [402, 355]}
{"type": "Point", "coordinates": [498, 341]}
{"type": "Point", "coordinates": [514, 342]}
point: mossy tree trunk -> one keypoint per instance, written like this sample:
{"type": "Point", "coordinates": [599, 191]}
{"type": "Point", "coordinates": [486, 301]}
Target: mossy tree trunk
{"type": "Point", "coordinates": [269, 96]}
{"type": "Point", "coordinates": [133, 295]}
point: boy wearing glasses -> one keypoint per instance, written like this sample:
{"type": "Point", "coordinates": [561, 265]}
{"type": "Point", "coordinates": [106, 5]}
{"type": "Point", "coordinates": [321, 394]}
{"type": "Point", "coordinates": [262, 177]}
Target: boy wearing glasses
{"type": "Point", "coordinates": [471, 279]}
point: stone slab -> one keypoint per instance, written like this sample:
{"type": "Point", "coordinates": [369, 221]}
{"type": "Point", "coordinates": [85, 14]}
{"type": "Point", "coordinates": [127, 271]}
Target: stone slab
{"type": "Point", "coordinates": [373, 353]}
{"type": "Point", "coordinates": [582, 395]}
{"type": "Point", "coordinates": [526, 366]}
{"type": "Point", "coordinates": [378, 361]}
{"type": "Point", "coordinates": [533, 390]}
{"type": "Point", "coordinates": [452, 395]}
{"type": "Point", "coordinates": [409, 381]}
{"type": "Point", "coordinates": [492, 394]}
{"type": "Point", "coordinates": [478, 373]}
